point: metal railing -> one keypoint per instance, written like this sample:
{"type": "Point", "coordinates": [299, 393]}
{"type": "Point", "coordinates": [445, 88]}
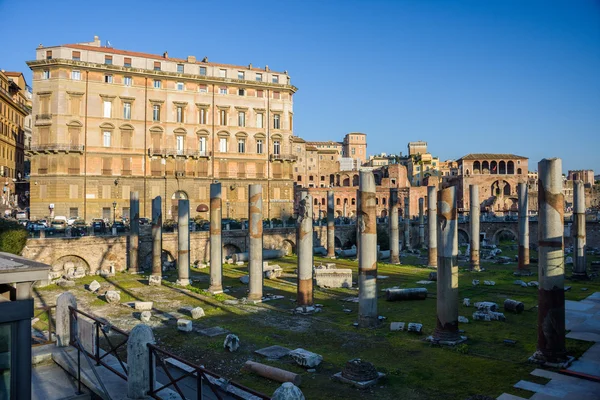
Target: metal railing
{"type": "Point", "coordinates": [105, 328]}
{"type": "Point", "coordinates": [40, 341]}
{"type": "Point", "coordinates": [58, 147]}
{"type": "Point", "coordinates": [283, 157]}
{"type": "Point", "coordinates": [170, 152]}
{"type": "Point", "coordinates": [201, 375]}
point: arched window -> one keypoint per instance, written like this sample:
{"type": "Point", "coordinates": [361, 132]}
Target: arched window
{"type": "Point", "coordinates": [353, 201]}
{"type": "Point", "coordinates": [383, 201]}
{"type": "Point", "coordinates": [476, 167]}
{"type": "Point", "coordinates": [485, 167]}
{"type": "Point", "coordinates": [493, 167]}
{"type": "Point", "coordinates": [338, 202]}
{"type": "Point", "coordinates": [376, 201]}
{"type": "Point", "coordinates": [316, 201]}
{"type": "Point", "coordinates": [510, 168]}
{"type": "Point", "coordinates": [502, 167]}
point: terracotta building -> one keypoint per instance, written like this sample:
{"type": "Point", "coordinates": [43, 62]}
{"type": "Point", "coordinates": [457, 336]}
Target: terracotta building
{"type": "Point", "coordinates": [497, 176]}
{"type": "Point", "coordinates": [586, 176]}
{"type": "Point", "coordinates": [14, 111]}
{"type": "Point", "coordinates": [110, 121]}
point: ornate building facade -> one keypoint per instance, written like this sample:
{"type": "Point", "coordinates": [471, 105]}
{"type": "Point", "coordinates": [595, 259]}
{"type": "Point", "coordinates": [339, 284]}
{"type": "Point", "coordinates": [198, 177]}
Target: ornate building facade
{"type": "Point", "coordinates": [109, 121]}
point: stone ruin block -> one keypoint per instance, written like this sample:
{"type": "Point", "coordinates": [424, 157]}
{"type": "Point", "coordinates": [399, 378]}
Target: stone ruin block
{"type": "Point", "coordinates": [306, 358]}
{"type": "Point", "coordinates": [272, 271]}
{"type": "Point", "coordinates": [463, 320]}
{"type": "Point", "coordinates": [145, 316]}
{"type": "Point", "coordinates": [489, 283]}
{"type": "Point", "coordinates": [397, 326]}
{"type": "Point", "coordinates": [481, 316]}
{"type": "Point", "coordinates": [497, 316]}
{"type": "Point", "coordinates": [143, 305]}
{"type": "Point", "coordinates": [184, 325]}
{"type": "Point", "coordinates": [486, 306]}
{"type": "Point", "coordinates": [467, 302]}
{"type": "Point", "coordinates": [475, 282]}
{"type": "Point", "coordinates": [93, 286]}
{"type": "Point", "coordinates": [334, 278]}
{"type": "Point", "coordinates": [112, 296]}
{"type": "Point", "coordinates": [414, 327]}
{"type": "Point", "coordinates": [154, 280]}
{"type": "Point", "coordinates": [231, 343]}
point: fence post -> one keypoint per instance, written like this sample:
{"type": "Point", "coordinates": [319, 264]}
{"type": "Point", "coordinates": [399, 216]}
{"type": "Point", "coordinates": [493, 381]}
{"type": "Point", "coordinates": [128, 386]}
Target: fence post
{"type": "Point", "coordinates": [63, 318]}
{"type": "Point", "coordinates": [138, 365]}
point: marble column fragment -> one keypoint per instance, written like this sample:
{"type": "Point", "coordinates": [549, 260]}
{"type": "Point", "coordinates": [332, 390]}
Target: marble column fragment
{"type": "Point", "coordinates": [156, 276]}
{"type": "Point", "coordinates": [216, 249]}
{"type": "Point", "coordinates": [523, 203]}
{"type": "Point", "coordinates": [474, 221]}
{"type": "Point", "coordinates": [330, 224]}
{"type": "Point", "coordinates": [367, 251]}
{"type": "Point", "coordinates": [421, 223]}
{"type": "Point", "coordinates": [407, 223]}
{"type": "Point", "coordinates": [255, 233]}
{"type": "Point", "coordinates": [305, 250]}
{"type": "Point", "coordinates": [394, 228]}
{"type": "Point", "coordinates": [134, 232]}
{"type": "Point", "coordinates": [432, 226]}
{"type": "Point", "coordinates": [183, 242]}
{"type": "Point", "coordinates": [578, 231]}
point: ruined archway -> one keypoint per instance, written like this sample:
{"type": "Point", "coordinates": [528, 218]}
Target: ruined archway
{"type": "Point", "coordinates": [463, 237]}
{"type": "Point", "coordinates": [70, 264]}
{"type": "Point", "coordinates": [288, 246]}
{"type": "Point", "coordinates": [504, 234]}
{"type": "Point", "coordinates": [338, 242]}
{"type": "Point", "coordinates": [229, 249]}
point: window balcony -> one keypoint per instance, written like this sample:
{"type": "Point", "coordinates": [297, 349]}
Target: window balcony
{"type": "Point", "coordinates": [178, 153]}
{"type": "Point", "coordinates": [56, 148]}
{"type": "Point", "coordinates": [283, 157]}
{"type": "Point", "coordinates": [43, 116]}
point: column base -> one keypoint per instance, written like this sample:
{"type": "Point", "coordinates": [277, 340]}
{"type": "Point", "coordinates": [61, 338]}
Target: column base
{"type": "Point", "coordinates": [254, 298]}
{"type": "Point", "coordinates": [154, 280]}
{"type": "Point", "coordinates": [368, 322]}
{"type": "Point", "coordinates": [183, 282]}
{"type": "Point", "coordinates": [539, 358]}
{"type": "Point", "coordinates": [446, 342]}
{"type": "Point", "coordinates": [432, 266]}
{"type": "Point", "coordinates": [306, 310]}
{"type": "Point", "coordinates": [215, 289]}
{"type": "Point", "coordinates": [580, 276]}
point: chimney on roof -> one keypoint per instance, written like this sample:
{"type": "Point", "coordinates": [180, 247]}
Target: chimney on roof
{"type": "Point", "coordinates": [191, 59]}
{"type": "Point", "coordinates": [205, 59]}
{"type": "Point", "coordinates": [250, 66]}
{"type": "Point", "coordinates": [267, 68]}
{"type": "Point", "coordinates": [166, 54]}
{"type": "Point", "coordinates": [97, 41]}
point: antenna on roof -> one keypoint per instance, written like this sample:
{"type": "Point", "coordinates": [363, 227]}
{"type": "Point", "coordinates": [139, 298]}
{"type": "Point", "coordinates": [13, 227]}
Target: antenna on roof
{"type": "Point", "coordinates": [108, 43]}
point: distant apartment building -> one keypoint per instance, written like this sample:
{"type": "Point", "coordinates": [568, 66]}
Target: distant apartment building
{"type": "Point", "coordinates": [14, 112]}
{"type": "Point", "coordinates": [355, 146]}
{"type": "Point", "coordinates": [584, 175]}
{"type": "Point", "coordinates": [110, 121]}
{"type": "Point", "coordinates": [422, 166]}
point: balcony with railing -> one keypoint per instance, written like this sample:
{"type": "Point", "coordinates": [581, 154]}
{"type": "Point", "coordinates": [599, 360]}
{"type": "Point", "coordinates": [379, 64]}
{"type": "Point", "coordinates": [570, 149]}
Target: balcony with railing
{"type": "Point", "coordinates": [170, 152]}
{"type": "Point", "coordinates": [57, 148]}
{"type": "Point", "coordinates": [283, 157]}
{"type": "Point", "coordinates": [43, 116]}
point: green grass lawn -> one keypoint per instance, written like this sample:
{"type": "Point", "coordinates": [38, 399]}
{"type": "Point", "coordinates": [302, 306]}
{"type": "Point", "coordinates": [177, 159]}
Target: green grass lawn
{"type": "Point", "coordinates": [415, 369]}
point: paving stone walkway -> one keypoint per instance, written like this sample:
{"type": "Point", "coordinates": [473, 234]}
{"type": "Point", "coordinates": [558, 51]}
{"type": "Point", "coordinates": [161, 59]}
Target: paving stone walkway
{"type": "Point", "coordinates": [583, 321]}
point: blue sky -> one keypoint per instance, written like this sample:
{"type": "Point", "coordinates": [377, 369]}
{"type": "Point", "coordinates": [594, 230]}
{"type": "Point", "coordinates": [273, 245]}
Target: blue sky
{"type": "Point", "coordinates": [510, 76]}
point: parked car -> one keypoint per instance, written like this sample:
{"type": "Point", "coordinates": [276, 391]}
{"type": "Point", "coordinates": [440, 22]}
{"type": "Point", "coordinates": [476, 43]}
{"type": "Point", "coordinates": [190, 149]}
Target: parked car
{"type": "Point", "coordinates": [34, 226]}
{"type": "Point", "coordinates": [23, 221]}
{"type": "Point", "coordinates": [43, 222]}
{"type": "Point", "coordinates": [98, 225]}
{"type": "Point", "coordinates": [71, 220]}
{"type": "Point", "coordinates": [59, 226]}
{"type": "Point", "coordinates": [120, 226]}
{"type": "Point", "coordinates": [144, 221]}
{"type": "Point", "coordinates": [79, 228]}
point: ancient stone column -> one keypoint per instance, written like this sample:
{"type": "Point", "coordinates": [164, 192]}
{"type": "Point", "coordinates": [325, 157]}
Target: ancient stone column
{"type": "Point", "coordinates": [156, 276]}
{"type": "Point", "coordinates": [367, 251]}
{"type": "Point", "coordinates": [305, 250]}
{"type": "Point", "coordinates": [578, 231]}
{"type": "Point", "coordinates": [394, 228]}
{"type": "Point", "coordinates": [551, 267]}
{"type": "Point", "coordinates": [432, 226]}
{"type": "Point", "coordinates": [407, 223]}
{"type": "Point", "coordinates": [216, 249]}
{"type": "Point", "coordinates": [523, 199]}
{"type": "Point", "coordinates": [134, 232]}
{"type": "Point", "coordinates": [255, 233]}
{"type": "Point", "coordinates": [138, 361]}
{"type": "Point", "coordinates": [330, 225]}
{"type": "Point", "coordinates": [446, 330]}
{"type": "Point", "coordinates": [474, 216]}
{"type": "Point", "coordinates": [183, 242]}
{"type": "Point", "coordinates": [421, 223]}
{"type": "Point", "coordinates": [63, 318]}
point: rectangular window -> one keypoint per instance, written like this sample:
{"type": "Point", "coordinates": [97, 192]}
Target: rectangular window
{"type": "Point", "coordinates": [128, 81]}
{"type": "Point", "coordinates": [107, 109]}
{"type": "Point", "coordinates": [277, 95]}
{"type": "Point", "coordinates": [202, 116]}
{"type": "Point", "coordinates": [276, 147]}
{"type": "Point", "coordinates": [223, 117]}
{"type": "Point", "coordinates": [223, 145]}
{"type": "Point", "coordinates": [203, 71]}
{"type": "Point", "coordinates": [222, 90]}
{"type": "Point", "coordinates": [275, 78]}
{"type": "Point", "coordinates": [76, 55]}
{"type": "Point", "coordinates": [260, 93]}
{"type": "Point", "coordinates": [241, 75]}
{"type": "Point", "coordinates": [202, 146]}
{"type": "Point", "coordinates": [241, 118]}
{"type": "Point", "coordinates": [156, 84]}
{"type": "Point", "coordinates": [108, 79]}
{"type": "Point", "coordinates": [180, 68]}
{"type": "Point", "coordinates": [45, 74]}
{"type": "Point", "coordinates": [106, 139]}
{"type": "Point", "coordinates": [241, 145]}
{"type": "Point", "coordinates": [76, 75]}
{"type": "Point", "coordinates": [259, 146]}
{"type": "Point", "coordinates": [276, 121]}
{"type": "Point", "coordinates": [126, 110]}
{"type": "Point", "coordinates": [260, 120]}
{"type": "Point", "coordinates": [180, 86]}
{"type": "Point", "coordinates": [180, 114]}
{"type": "Point", "coordinates": [241, 92]}
{"type": "Point", "coordinates": [127, 62]}
{"type": "Point", "coordinates": [48, 54]}
{"type": "Point", "coordinates": [108, 60]}
{"type": "Point", "coordinates": [180, 144]}
{"type": "Point", "coordinates": [223, 73]}
{"type": "Point", "coordinates": [259, 77]}
{"type": "Point", "coordinates": [203, 88]}
{"type": "Point", "coordinates": [157, 65]}
{"type": "Point", "coordinates": [156, 112]}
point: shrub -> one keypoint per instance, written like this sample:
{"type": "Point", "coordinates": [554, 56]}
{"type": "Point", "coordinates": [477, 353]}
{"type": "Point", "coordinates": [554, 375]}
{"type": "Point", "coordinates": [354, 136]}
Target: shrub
{"type": "Point", "coordinates": [13, 237]}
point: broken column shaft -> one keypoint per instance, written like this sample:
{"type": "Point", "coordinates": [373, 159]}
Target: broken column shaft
{"type": "Point", "coordinates": [330, 224]}
{"type": "Point", "coordinates": [421, 223]}
{"type": "Point", "coordinates": [432, 226]}
{"type": "Point", "coordinates": [474, 215]}
{"type": "Point", "coordinates": [305, 250]}
{"type": "Point", "coordinates": [183, 242]}
{"type": "Point", "coordinates": [367, 251]}
{"type": "Point", "coordinates": [446, 330]}
{"type": "Point", "coordinates": [523, 199]}
{"type": "Point", "coordinates": [134, 232]}
{"type": "Point", "coordinates": [407, 222]}
{"type": "Point", "coordinates": [551, 267]}
{"type": "Point", "coordinates": [156, 276]}
{"type": "Point", "coordinates": [394, 228]}
{"type": "Point", "coordinates": [255, 233]}
{"type": "Point", "coordinates": [578, 235]}
{"type": "Point", "coordinates": [216, 250]}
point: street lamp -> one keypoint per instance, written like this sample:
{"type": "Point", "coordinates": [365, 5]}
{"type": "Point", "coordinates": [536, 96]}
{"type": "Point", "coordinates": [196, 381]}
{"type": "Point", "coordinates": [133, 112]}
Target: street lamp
{"type": "Point", "coordinates": [114, 211]}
